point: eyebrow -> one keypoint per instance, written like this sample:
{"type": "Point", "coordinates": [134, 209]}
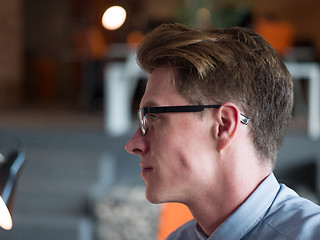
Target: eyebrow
{"type": "Point", "coordinates": [150, 103]}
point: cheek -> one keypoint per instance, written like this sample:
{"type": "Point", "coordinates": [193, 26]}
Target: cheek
{"type": "Point", "coordinates": [184, 145]}
{"type": "Point", "coordinates": [182, 151]}
{"type": "Point", "coordinates": [170, 156]}
{"type": "Point", "coordinates": [196, 149]}
{"type": "Point", "coordinates": [186, 167]}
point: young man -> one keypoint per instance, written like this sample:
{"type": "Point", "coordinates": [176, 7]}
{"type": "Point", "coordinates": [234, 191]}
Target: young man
{"type": "Point", "coordinates": [212, 119]}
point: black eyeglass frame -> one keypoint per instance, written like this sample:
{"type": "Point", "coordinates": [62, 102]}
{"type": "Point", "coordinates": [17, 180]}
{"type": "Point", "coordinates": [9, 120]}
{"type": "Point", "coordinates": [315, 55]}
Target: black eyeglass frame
{"type": "Point", "coordinates": [143, 112]}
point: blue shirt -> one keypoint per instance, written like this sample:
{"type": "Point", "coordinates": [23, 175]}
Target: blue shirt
{"type": "Point", "coordinates": [272, 212]}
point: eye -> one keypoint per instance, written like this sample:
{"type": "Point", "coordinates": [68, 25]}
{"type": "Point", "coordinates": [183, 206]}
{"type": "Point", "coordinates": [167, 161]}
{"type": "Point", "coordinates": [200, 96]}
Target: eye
{"type": "Point", "coordinates": [152, 117]}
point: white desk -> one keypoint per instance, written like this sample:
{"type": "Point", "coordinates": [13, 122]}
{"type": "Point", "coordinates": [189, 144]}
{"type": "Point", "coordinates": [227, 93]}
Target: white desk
{"type": "Point", "coordinates": [311, 72]}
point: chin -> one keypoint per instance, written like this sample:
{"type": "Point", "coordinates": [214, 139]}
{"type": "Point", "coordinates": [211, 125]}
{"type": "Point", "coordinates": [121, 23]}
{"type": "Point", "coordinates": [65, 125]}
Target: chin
{"type": "Point", "coordinates": [158, 197]}
{"type": "Point", "coordinates": [155, 196]}
{"type": "Point", "coordinates": [152, 198]}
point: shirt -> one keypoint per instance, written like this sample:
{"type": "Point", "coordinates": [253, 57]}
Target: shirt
{"type": "Point", "coordinates": [272, 211]}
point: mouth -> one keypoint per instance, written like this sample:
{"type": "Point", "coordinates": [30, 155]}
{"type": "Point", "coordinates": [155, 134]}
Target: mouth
{"type": "Point", "coordinates": [145, 169]}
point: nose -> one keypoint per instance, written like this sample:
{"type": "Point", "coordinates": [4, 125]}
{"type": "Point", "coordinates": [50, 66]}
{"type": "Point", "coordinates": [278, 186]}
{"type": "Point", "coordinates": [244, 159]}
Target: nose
{"type": "Point", "coordinates": [137, 144]}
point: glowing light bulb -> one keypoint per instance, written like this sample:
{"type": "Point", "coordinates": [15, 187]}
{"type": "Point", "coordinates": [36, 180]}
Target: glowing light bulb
{"type": "Point", "coordinates": [5, 217]}
{"type": "Point", "coordinates": [114, 17]}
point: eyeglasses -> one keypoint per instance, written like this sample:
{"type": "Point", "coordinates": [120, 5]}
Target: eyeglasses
{"type": "Point", "coordinates": [143, 112]}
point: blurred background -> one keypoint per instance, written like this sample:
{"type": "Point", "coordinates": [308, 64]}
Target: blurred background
{"type": "Point", "coordinates": [70, 87]}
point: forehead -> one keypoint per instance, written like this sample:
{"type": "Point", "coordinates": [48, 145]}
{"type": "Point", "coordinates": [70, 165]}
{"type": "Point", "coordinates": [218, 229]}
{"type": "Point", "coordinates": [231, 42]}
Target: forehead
{"type": "Point", "coordinates": [160, 90]}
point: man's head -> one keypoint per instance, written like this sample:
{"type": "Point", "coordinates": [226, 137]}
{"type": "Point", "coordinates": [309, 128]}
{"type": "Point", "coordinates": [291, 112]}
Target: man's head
{"type": "Point", "coordinates": [235, 65]}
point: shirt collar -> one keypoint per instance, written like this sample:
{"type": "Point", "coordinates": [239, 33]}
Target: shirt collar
{"type": "Point", "coordinates": [248, 214]}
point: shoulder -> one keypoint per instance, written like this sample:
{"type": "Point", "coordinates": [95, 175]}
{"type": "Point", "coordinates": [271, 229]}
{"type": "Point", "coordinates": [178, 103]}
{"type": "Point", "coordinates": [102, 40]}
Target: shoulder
{"type": "Point", "coordinates": [186, 231]}
{"type": "Point", "coordinates": [293, 217]}
{"type": "Point", "coordinates": [293, 205]}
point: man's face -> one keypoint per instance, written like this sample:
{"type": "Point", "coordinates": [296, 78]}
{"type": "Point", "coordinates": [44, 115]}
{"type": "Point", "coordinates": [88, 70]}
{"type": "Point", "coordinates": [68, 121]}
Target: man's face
{"type": "Point", "coordinates": [177, 153]}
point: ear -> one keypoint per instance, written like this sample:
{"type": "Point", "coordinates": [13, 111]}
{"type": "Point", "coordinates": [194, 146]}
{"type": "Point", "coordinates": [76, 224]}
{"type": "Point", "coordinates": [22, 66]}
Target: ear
{"type": "Point", "coordinates": [228, 123]}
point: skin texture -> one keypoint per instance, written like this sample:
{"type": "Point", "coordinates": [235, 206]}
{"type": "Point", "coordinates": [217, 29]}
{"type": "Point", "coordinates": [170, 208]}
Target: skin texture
{"type": "Point", "coordinates": [205, 161]}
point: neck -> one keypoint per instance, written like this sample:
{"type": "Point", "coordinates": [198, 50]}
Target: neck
{"type": "Point", "coordinates": [211, 208]}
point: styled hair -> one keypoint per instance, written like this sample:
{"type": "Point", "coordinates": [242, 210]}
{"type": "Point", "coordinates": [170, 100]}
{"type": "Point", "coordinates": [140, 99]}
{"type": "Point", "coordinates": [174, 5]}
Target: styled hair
{"type": "Point", "coordinates": [235, 65]}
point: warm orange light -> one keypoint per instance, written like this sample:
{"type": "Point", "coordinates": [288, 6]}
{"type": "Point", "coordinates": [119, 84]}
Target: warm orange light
{"type": "Point", "coordinates": [5, 217]}
{"type": "Point", "coordinates": [114, 17]}
{"type": "Point", "coordinates": [134, 38]}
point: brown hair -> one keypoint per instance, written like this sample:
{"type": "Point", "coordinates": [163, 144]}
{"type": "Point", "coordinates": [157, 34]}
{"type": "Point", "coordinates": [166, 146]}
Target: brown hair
{"type": "Point", "coordinates": [234, 64]}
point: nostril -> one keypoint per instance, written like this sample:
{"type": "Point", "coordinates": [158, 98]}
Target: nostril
{"type": "Point", "coordinates": [137, 151]}
{"type": "Point", "coordinates": [133, 149]}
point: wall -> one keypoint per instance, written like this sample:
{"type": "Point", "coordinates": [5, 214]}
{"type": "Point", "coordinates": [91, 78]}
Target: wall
{"type": "Point", "coordinates": [10, 53]}
{"type": "Point", "coordinates": [304, 15]}
{"type": "Point", "coordinates": [37, 34]}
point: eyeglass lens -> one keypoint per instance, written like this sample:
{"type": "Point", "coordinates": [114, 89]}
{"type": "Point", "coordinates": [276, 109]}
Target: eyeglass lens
{"type": "Point", "coordinates": [142, 122]}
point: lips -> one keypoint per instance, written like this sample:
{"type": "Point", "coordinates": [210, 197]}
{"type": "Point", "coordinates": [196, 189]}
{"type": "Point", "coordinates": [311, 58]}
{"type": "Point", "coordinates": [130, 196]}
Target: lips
{"type": "Point", "coordinates": [144, 166]}
{"type": "Point", "coordinates": [145, 169]}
